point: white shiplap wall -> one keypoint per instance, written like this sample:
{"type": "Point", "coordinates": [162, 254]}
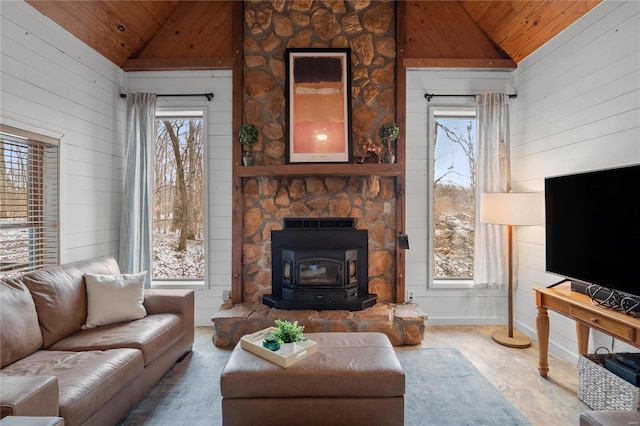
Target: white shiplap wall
{"type": "Point", "coordinates": [53, 84]}
{"type": "Point", "coordinates": [578, 109]}
{"type": "Point", "coordinates": [219, 166]}
{"type": "Point", "coordinates": [443, 306]}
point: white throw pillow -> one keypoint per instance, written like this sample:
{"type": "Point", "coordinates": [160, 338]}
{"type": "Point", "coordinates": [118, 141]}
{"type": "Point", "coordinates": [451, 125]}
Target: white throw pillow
{"type": "Point", "coordinates": [114, 298]}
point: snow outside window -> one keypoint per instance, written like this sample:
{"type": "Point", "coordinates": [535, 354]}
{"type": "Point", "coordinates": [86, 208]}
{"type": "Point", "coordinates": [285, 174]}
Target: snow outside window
{"type": "Point", "coordinates": [179, 233]}
{"type": "Point", "coordinates": [28, 201]}
{"type": "Point", "coordinates": [453, 199]}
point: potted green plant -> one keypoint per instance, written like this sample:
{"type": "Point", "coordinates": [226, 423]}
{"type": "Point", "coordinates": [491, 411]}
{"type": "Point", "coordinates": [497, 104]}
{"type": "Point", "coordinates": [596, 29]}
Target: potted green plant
{"type": "Point", "coordinates": [288, 332]}
{"type": "Point", "coordinates": [388, 133]}
{"type": "Point", "coordinates": [248, 135]}
{"type": "Point", "coordinates": [271, 342]}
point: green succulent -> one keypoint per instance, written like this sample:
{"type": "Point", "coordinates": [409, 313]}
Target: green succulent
{"type": "Point", "coordinates": [270, 338]}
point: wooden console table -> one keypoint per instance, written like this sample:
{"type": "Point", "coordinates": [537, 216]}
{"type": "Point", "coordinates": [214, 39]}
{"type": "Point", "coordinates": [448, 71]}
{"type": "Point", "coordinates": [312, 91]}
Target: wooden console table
{"type": "Point", "coordinates": [578, 307]}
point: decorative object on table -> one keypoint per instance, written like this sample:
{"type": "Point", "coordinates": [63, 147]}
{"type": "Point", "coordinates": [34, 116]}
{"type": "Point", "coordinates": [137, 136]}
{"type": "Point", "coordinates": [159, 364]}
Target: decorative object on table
{"type": "Point", "coordinates": [369, 150]}
{"type": "Point", "coordinates": [248, 135]}
{"type": "Point", "coordinates": [285, 356]}
{"type": "Point", "coordinates": [389, 133]}
{"type": "Point", "coordinates": [288, 332]}
{"type": "Point", "coordinates": [318, 85]}
{"type": "Point", "coordinates": [509, 208]}
{"type": "Point", "coordinates": [271, 342]}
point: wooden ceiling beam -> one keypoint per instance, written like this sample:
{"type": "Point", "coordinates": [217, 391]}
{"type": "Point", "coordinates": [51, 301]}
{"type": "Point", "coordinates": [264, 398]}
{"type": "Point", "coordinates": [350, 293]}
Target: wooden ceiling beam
{"type": "Point", "coordinates": [165, 64]}
{"type": "Point", "coordinates": [506, 64]}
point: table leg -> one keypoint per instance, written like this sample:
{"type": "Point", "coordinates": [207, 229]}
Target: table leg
{"type": "Point", "coordinates": [582, 331]}
{"type": "Point", "coordinates": [542, 328]}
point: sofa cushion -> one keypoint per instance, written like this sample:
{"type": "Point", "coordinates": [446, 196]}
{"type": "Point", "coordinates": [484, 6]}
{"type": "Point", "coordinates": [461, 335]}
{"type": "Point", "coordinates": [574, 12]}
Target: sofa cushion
{"type": "Point", "coordinates": [20, 333]}
{"type": "Point", "coordinates": [152, 335]}
{"type": "Point", "coordinates": [60, 295]}
{"type": "Point", "coordinates": [86, 380]}
{"type": "Point", "coordinates": [114, 298]}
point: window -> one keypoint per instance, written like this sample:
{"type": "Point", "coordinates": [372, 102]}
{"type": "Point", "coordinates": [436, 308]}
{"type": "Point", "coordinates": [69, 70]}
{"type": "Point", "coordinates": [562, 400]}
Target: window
{"type": "Point", "coordinates": [178, 203]}
{"type": "Point", "coordinates": [453, 204]}
{"type": "Point", "coordinates": [28, 201]}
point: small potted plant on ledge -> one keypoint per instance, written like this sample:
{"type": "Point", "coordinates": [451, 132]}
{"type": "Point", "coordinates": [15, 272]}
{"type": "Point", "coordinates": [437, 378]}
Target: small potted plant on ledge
{"type": "Point", "coordinates": [248, 135]}
{"type": "Point", "coordinates": [388, 133]}
{"type": "Point", "coordinates": [288, 332]}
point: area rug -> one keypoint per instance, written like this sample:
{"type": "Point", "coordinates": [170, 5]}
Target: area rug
{"type": "Point", "coordinates": [442, 388]}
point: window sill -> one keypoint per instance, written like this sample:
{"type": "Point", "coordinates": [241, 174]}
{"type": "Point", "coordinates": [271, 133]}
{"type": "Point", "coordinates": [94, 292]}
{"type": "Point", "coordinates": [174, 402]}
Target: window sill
{"type": "Point", "coordinates": [451, 284]}
{"type": "Point", "coordinates": [195, 284]}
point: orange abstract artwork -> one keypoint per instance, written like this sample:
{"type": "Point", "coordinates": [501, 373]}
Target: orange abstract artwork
{"type": "Point", "coordinates": [319, 107]}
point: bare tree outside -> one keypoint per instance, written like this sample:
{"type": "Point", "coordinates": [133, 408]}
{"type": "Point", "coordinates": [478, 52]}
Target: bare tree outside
{"type": "Point", "coordinates": [178, 208]}
{"type": "Point", "coordinates": [454, 197]}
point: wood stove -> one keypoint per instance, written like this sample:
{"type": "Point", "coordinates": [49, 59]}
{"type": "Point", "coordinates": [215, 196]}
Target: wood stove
{"type": "Point", "coordinates": [319, 263]}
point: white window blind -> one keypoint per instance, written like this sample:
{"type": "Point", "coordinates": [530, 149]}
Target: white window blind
{"type": "Point", "coordinates": [28, 201]}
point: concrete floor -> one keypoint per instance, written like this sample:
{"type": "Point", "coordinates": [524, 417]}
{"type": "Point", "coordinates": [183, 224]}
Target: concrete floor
{"type": "Point", "coordinates": [547, 401]}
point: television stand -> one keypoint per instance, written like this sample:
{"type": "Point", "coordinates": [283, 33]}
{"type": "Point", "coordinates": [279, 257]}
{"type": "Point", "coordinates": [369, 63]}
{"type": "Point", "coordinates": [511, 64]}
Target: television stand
{"type": "Point", "coordinates": [579, 308]}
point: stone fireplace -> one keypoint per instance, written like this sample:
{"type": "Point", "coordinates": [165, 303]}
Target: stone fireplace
{"type": "Point", "coordinates": [271, 190]}
{"type": "Point", "coordinates": [319, 263]}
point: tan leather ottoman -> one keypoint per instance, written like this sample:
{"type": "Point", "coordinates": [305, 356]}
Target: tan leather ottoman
{"type": "Point", "coordinates": [353, 379]}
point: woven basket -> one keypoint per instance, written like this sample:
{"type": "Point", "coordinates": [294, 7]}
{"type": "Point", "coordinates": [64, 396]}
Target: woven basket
{"type": "Point", "coordinates": [600, 389]}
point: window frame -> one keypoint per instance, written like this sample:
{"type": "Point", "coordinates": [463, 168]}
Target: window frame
{"type": "Point", "coordinates": [462, 107]}
{"type": "Point", "coordinates": [177, 112]}
{"type": "Point", "coordinates": [48, 254]}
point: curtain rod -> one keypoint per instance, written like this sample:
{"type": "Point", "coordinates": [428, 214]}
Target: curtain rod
{"type": "Point", "coordinates": [209, 96]}
{"type": "Point", "coordinates": [429, 96]}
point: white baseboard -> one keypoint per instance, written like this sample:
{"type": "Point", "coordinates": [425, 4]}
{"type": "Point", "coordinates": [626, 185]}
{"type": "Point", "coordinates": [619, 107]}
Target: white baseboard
{"type": "Point", "coordinates": [462, 321]}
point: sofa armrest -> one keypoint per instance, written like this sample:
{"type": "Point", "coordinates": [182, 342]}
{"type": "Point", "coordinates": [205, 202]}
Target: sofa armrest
{"type": "Point", "coordinates": [610, 418]}
{"type": "Point", "coordinates": [162, 301]}
{"type": "Point", "coordinates": [28, 396]}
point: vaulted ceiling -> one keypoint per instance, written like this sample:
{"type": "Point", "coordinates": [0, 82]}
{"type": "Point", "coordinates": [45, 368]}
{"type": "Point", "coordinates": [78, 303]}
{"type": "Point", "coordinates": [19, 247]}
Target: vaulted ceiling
{"type": "Point", "coordinates": [167, 34]}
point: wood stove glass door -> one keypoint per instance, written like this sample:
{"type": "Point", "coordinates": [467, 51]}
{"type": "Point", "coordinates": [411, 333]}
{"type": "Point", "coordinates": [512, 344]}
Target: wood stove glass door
{"type": "Point", "coordinates": [320, 272]}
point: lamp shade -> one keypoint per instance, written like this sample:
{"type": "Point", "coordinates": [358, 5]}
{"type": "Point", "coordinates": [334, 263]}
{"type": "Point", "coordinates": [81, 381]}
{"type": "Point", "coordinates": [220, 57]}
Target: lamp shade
{"type": "Point", "coordinates": [512, 208]}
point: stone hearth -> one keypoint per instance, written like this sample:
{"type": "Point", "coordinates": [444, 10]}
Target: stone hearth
{"type": "Point", "coordinates": [403, 324]}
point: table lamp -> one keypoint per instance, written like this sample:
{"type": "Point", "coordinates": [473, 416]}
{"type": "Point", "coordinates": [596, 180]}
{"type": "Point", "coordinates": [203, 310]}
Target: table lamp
{"type": "Point", "coordinates": [511, 209]}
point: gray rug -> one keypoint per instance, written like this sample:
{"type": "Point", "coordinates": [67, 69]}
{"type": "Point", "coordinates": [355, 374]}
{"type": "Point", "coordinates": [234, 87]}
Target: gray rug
{"type": "Point", "coordinates": [443, 388]}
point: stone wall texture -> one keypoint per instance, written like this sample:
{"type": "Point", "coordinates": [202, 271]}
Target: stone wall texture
{"type": "Point", "coordinates": [368, 28]}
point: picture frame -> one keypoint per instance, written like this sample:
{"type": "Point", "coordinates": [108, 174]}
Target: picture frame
{"type": "Point", "coordinates": [318, 113]}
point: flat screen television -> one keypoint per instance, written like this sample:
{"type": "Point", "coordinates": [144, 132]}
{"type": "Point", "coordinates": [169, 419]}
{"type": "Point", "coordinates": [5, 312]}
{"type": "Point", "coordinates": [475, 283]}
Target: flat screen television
{"type": "Point", "coordinates": [593, 228]}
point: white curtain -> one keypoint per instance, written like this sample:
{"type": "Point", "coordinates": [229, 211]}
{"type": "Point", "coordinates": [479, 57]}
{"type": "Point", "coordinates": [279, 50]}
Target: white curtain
{"type": "Point", "coordinates": [135, 223]}
{"type": "Point", "coordinates": [493, 174]}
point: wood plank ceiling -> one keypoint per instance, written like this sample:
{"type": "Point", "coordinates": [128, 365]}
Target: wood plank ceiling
{"type": "Point", "coordinates": [164, 34]}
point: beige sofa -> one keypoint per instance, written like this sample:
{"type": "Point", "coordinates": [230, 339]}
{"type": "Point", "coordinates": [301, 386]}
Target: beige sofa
{"type": "Point", "coordinates": [51, 366]}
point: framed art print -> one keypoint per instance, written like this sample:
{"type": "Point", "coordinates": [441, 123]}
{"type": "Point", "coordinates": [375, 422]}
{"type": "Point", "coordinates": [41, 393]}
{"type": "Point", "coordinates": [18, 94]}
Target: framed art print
{"type": "Point", "coordinates": [318, 106]}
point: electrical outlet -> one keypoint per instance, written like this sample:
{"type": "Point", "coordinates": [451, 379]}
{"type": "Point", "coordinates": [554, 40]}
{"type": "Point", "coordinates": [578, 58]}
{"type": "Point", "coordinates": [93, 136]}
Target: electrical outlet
{"type": "Point", "coordinates": [410, 296]}
{"type": "Point", "coordinates": [226, 295]}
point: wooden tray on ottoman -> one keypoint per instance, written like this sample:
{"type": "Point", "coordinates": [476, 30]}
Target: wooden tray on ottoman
{"type": "Point", "coordinates": [286, 356]}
